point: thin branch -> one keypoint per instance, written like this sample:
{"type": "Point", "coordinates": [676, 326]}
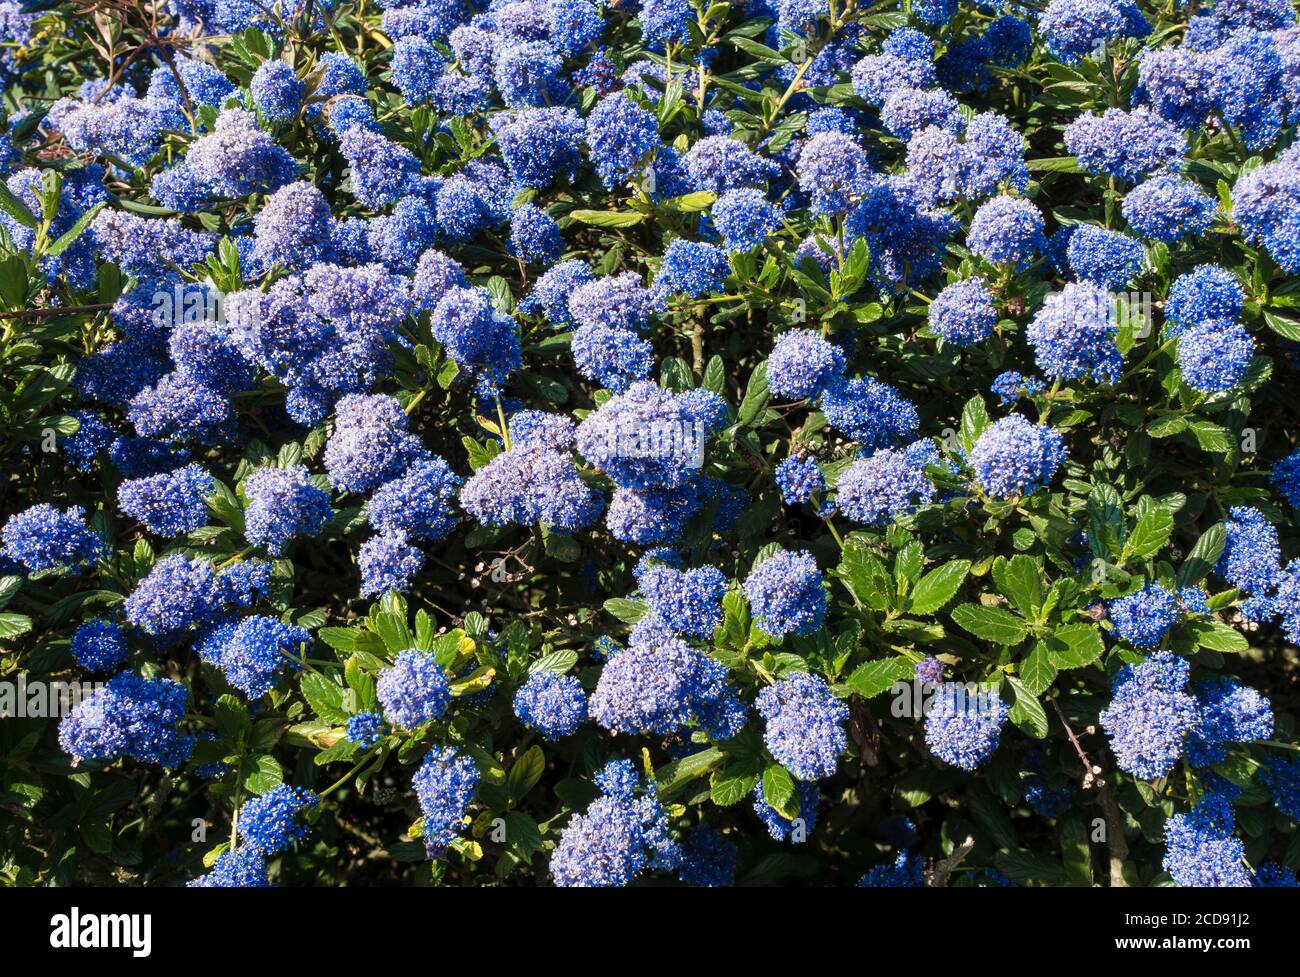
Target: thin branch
{"type": "Point", "coordinates": [1116, 844]}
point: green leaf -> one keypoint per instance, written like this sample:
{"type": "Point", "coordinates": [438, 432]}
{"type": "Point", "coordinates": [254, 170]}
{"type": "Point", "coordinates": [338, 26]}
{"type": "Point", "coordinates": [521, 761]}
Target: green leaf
{"type": "Point", "coordinates": [556, 661]}
{"type": "Point", "coordinates": [1027, 712]}
{"type": "Point", "coordinates": [1212, 437]}
{"type": "Point", "coordinates": [12, 625]}
{"type": "Point", "coordinates": [908, 563]}
{"type": "Point", "coordinates": [1019, 579]}
{"type": "Point", "coordinates": [15, 208]}
{"type": "Point", "coordinates": [265, 774]}
{"type": "Point", "coordinates": [1150, 534]}
{"type": "Point", "coordinates": [938, 587]}
{"type": "Point", "coordinates": [756, 396]}
{"type": "Point", "coordinates": [715, 375]}
{"type": "Point", "coordinates": [563, 548]}
{"type": "Point", "coordinates": [9, 586]}
{"type": "Point", "coordinates": [608, 218]}
{"type": "Point", "coordinates": [865, 576]}
{"type": "Point", "coordinates": [225, 505]}
{"type": "Point", "coordinates": [872, 678]}
{"type": "Point", "coordinates": [675, 374]}
{"type": "Point", "coordinates": [733, 783]}
{"type": "Point", "coordinates": [348, 640]}
{"type": "Point", "coordinates": [362, 684]}
{"type": "Point", "coordinates": [1106, 524]}
{"type": "Point", "coordinates": [756, 50]}
{"type": "Point", "coordinates": [98, 836]}
{"type": "Point", "coordinates": [1285, 327]}
{"type": "Point", "coordinates": [232, 718]}
{"type": "Point", "coordinates": [974, 419]}
{"type": "Point", "coordinates": [1027, 867]}
{"type": "Point", "coordinates": [991, 815]}
{"type": "Point", "coordinates": [1204, 555]}
{"type": "Point", "coordinates": [681, 773]}
{"type": "Point", "coordinates": [523, 834]}
{"type": "Point", "coordinates": [990, 623]}
{"type": "Point", "coordinates": [393, 630]}
{"type": "Point", "coordinates": [1217, 636]}
{"type": "Point", "coordinates": [1054, 164]}
{"type": "Point", "coordinates": [13, 282]}
{"type": "Point", "coordinates": [525, 773]}
{"type": "Point", "coordinates": [694, 202]}
{"type": "Point", "coordinates": [1167, 426]}
{"type": "Point", "coordinates": [66, 239]}
{"type": "Point", "coordinates": [1075, 645]}
{"type": "Point", "coordinates": [325, 698]}
{"type": "Point", "coordinates": [1037, 670]}
{"type": "Point", "coordinates": [627, 611]}
{"type": "Point", "coordinates": [779, 791]}
{"type": "Point", "coordinates": [342, 750]}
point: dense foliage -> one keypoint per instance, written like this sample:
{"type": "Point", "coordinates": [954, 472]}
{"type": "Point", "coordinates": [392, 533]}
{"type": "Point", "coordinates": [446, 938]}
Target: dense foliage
{"type": "Point", "coordinates": [546, 442]}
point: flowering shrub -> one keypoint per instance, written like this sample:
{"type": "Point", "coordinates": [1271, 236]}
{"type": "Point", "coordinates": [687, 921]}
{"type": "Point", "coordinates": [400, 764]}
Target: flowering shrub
{"type": "Point", "coordinates": [553, 442]}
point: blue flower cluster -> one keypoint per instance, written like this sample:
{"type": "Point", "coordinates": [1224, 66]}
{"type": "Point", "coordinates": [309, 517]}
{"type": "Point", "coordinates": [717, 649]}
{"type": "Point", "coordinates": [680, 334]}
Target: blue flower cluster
{"type": "Point", "coordinates": [804, 725]}
{"type": "Point", "coordinates": [444, 786]}
{"type": "Point", "coordinates": [662, 685]}
{"type": "Point", "coordinates": [787, 594]}
{"type": "Point", "coordinates": [414, 690]}
{"type": "Point", "coordinates": [553, 704]}
{"type": "Point", "coordinates": [253, 652]}
{"type": "Point", "coordinates": [1150, 715]}
{"type": "Point", "coordinates": [963, 724]}
{"type": "Point", "coordinates": [283, 503]}
{"type": "Point", "coordinates": [44, 538]}
{"type": "Point", "coordinates": [270, 822]}
{"type": "Point", "coordinates": [1014, 457]}
{"type": "Point", "coordinates": [621, 835]}
{"type": "Point", "coordinates": [168, 504]}
{"type": "Point", "coordinates": [130, 716]}
{"type": "Point", "coordinates": [1201, 849]}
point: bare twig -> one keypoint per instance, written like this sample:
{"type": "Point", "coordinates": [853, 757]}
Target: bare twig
{"type": "Point", "coordinates": [1116, 844]}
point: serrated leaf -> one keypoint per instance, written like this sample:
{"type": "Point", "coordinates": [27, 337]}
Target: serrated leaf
{"type": "Point", "coordinates": [872, 678]}
{"type": "Point", "coordinates": [756, 396]}
{"type": "Point", "coordinates": [733, 784]}
{"type": "Point", "coordinates": [69, 237]}
{"type": "Point", "coordinates": [1027, 712]}
{"type": "Point", "coordinates": [1217, 636]}
{"type": "Point", "coordinates": [627, 611]}
{"type": "Point", "coordinates": [1212, 437]}
{"type": "Point", "coordinates": [12, 625]}
{"type": "Point", "coordinates": [325, 698]}
{"type": "Point", "coordinates": [232, 718]}
{"type": "Point", "coordinates": [1203, 556]}
{"type": "Point", "coordinates": [990, 623]}
{"type": "Point", "coordinates": [1150, 534]}
{"type": "Point", "coordinates": [525, 773]}
{"type": "Point", "coordinates": [1037, 670]}
{"type": "Point", "coordinates": [15, 208]}
{"type": "Point", "coordinates": [1075, 645]}
{"type": "Point", "coordinates": [556, 661]}
{"type": "Point", "coordinates": [1019, 579]}
{"type": "Point", "coordinates": [974, 420]}
{"type": "Point", "coordinates": [715, 375]}
{"type": "Point", "coordinates": [9, 586]}
{"type": "Point", "coordinates": [265, 774]}
{"type": "Point", "coordinates": [779, 791]}
{"type": "Point", "coordinates": [393, 630]}
{"type": "Point", "coordinates": [608, 218]}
